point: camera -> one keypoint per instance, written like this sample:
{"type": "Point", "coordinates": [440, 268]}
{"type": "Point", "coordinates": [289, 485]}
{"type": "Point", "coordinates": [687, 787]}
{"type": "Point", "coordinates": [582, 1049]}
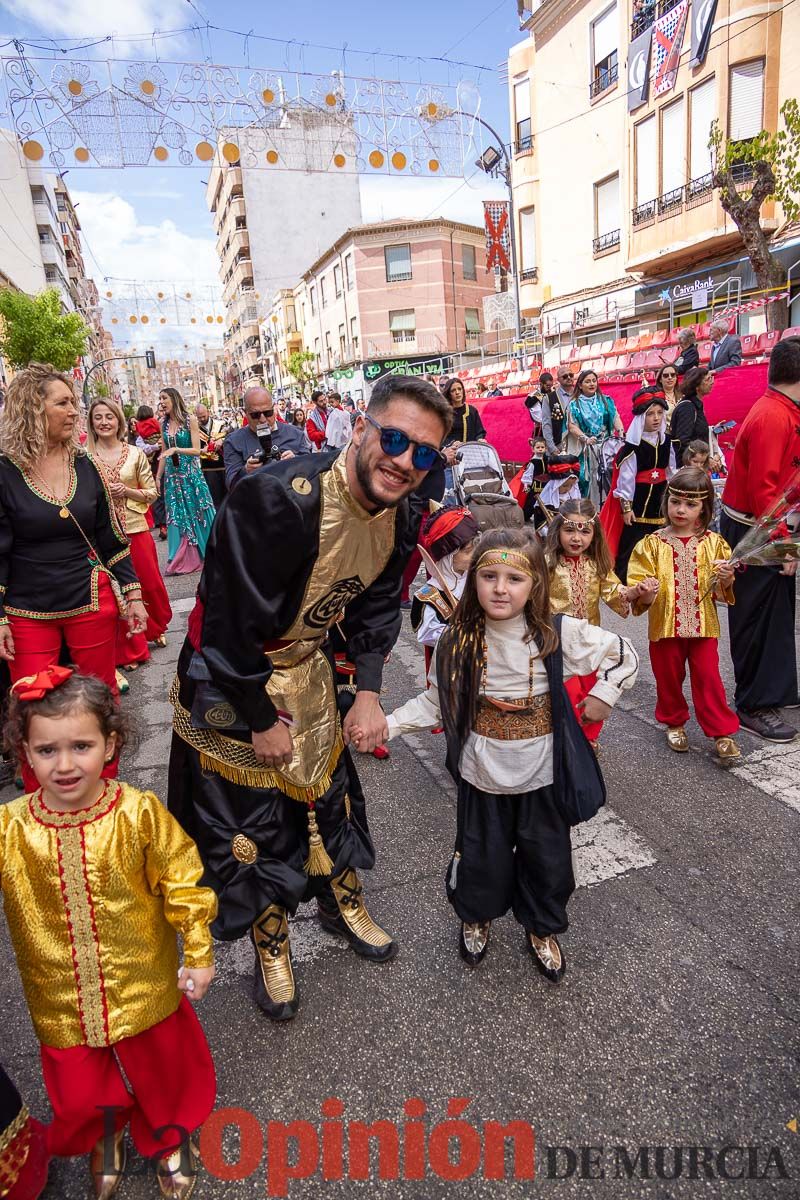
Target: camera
{"type": "Point", "coordinates": [267, 452]}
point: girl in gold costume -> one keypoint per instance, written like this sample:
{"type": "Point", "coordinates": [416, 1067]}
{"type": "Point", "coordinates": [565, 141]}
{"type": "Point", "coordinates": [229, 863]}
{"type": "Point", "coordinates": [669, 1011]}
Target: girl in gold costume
{"type": "Point", "coordinates": [97, 881]}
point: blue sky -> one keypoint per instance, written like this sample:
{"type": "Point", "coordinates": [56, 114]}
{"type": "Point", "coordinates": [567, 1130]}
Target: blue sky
{"type": "Point", "coordinates": [138, 220]}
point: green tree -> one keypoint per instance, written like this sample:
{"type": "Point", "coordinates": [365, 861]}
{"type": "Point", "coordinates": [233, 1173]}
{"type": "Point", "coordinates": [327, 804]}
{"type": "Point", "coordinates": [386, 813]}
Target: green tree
{"type": "Point", "coordinates": [301, 365]}
{"type": "Point", "coordinates": [33, 329]}
{"type": "Point", "coordinates": [746, 175]}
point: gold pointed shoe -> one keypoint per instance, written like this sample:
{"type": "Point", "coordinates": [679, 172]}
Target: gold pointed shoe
{"type": "Point", "coordinates": [342, 911]}
{"type": "Point", "coordinates": [728, 751]}
{"type": "Point", "coordinates": [548, 956]}
{"type": "Point", "coordinates": [275, 990]}
{"type": "Point", "coordinates": [473, 941]}
{"type": "Point", "coordinates": [107, 1165]}
{"type": "Point", "coordinates": [677, 739]}
{"type": "Point", "coordinates": [177, 1173]}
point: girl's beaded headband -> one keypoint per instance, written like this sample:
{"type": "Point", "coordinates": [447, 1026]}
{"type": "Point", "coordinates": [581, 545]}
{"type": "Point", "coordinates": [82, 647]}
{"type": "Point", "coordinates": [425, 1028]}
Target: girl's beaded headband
{"type": "Point", "coordinates": [505, 558]}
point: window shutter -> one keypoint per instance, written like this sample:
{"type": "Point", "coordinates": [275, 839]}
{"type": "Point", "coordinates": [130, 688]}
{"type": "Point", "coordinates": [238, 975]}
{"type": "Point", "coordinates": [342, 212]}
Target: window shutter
{"type": "Point", "coordinates": [673, 147]}
{"type": "Point", "coordinates": [605, 35]}
{"type": "Point", "coordinates": [522, 100]}
{"type": "Point", "coordinates": [527, 238]}
{"type": "Point", "coordinates": [607, 206]}
{"type": "Point", "coordinates": [398, 262]}
{"type": "Point", "coordinates": [704, 110]}
{"type": "Point", "coordinates": [646, 182]}
{"type": "Point", "coordinates": [472, 320]}
{"type": "Point", "coordinates": [746, 100]}
{"type": "Point", "coordinates": [402, 321]}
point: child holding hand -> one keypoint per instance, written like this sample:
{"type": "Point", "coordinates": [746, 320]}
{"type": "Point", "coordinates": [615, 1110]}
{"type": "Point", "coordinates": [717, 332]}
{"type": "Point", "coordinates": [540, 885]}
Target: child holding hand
{"type": "Point", "coordinates": [97, 881]}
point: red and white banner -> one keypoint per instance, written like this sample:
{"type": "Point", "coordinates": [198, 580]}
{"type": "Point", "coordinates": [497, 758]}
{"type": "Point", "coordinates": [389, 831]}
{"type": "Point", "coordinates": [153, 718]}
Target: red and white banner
{"type": "Point", "coordinates": [668, 34]}
{"type": "Point", "coordinates": [752, 305]}
{"type": "Point", "coordinates": [498, 241]}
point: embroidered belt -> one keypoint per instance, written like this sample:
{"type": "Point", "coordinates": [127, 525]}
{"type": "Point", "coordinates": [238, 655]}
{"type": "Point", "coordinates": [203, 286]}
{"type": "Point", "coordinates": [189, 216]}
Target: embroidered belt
{"type": "Point", "coordinates": [654, 475]}
{"type": "Point", "coordinates": [534, 719]}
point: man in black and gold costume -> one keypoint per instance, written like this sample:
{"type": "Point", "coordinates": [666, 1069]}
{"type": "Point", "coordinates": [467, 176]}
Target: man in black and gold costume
{"type": "Point", "coordinates": [259, 772]}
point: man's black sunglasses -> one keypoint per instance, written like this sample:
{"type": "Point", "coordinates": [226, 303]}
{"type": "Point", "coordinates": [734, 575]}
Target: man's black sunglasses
{"type": "Point", "coordinates": [394, 443]}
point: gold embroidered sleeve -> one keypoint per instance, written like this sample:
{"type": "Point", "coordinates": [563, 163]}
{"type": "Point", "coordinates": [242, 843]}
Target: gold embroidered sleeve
{"type": "Point", "coordinates": [611, 589]}
{"type": "Point", "coordinates": [642, 566]}
{"type": "Point", "coordinates": [144, 479]}
{"type": "Point", "coordinates": [720, 551]}
{"type": "Point", "coordinates": [173, 869]}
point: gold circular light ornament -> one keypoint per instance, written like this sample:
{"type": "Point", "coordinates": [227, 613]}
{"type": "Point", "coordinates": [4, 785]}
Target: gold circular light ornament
{"type": "Point", "coordinates": [204, 151]}
{"type": "Point", "coordinates": [108, 295]}
{"type": "Point", "coordinates": [74, 87]}
{"type": "Point", "coordinates": [133, 320]}
{"type": "Point", "coordinates": [114, 321]}
{"type": "Point", "coordinates": [376, 159]}
{"type": "Point", "coordinates": [210, 320]}
{"type": "Point", "coordinates": [163, 321]}
{"type": "Point", "coordinates": [330, 100]}
{"type": "Point", "coordinates": [82, 154]}
{"type": "Point", "coordinates": [339, 160]}
{"type": "Point", "coordinates": [161, 295]}
{"type": "Point", "coordinates": [399, 161]}
{"type": "Point", "coordinates": [433, 165]}
{"type": "Point", "coordinates": [145, 320]}
{"type": "Point", "coordinates": [272, 156]}
{"type": "Point", "coordinates": [161, 153]}
{"type": "Point", "coordinates": [33, 151]}
{"type": "Point", "coordinates": [220, 320]}
{"type": "Point", "coordinates": [188, 295]}
{"type": "Point", "coordinates": [432, 109]}
{"type": "Point", "coordinates": [268, 95]}
{"type": "Point", "coordinates": [194, 320]}
{"type": "Point", "coordinates": [148, 87]}
{"type": "Point", "coordinates": [230, 152]}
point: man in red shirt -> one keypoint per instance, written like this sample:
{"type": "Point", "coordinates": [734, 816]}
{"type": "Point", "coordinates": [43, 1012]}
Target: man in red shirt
{"type": "Point", "coordinates": [761, 622]}
{"type": "Point", "coordinates": [317, 420]}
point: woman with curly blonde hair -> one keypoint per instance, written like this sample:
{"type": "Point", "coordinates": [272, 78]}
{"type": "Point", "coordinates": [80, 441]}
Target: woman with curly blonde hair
{"type": "Point", "coordinates": [65, 566]}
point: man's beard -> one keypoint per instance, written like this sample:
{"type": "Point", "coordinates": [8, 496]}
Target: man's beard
{"type": "Point", "coordinates": [365, 481]}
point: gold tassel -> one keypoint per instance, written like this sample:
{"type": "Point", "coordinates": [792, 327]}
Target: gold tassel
{"type": "Point", "coordinates": [319, 861]}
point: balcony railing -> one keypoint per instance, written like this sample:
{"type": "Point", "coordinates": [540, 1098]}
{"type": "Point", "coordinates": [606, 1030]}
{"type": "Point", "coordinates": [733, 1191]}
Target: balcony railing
{"type": "Point", "coordinates": [606, 242]}
{"type": "Point", "coordinates": [603, 81]}
{"type": "Point", "coordinates": [644, 214]}
{"type": "Point", "coordinates": [524, 145]}
{"type": "Point", "coordinates": [530, 275]}
{"type": "Point", "coordinates": [670, 202]}
{"type": "Point", "coordinates": [699, 190]}
{"type": "Point", "coordinates": [648, 12]}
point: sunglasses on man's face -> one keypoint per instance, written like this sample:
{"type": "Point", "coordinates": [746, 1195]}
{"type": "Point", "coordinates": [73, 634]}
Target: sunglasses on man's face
{"type": "Point", "coordinates": [257, 414]}
{"type": "Point", "coordinates": [565, 377]}
{"type": "Point", "coordinates": [395, 443]}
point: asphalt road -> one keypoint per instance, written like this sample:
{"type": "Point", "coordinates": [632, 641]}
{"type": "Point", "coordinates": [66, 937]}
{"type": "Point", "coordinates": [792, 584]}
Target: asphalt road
{"type": "Point", "coordinates": [676, 1024]}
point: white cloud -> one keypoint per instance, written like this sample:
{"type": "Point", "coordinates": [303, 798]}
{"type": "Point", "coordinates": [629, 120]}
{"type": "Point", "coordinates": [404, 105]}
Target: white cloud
{"type": "Point", "coordinates": [151, 254]}
{"type": "Point", "coordinates": [85, 18]}
{"type": "Point", "coordinates": [386, 197]}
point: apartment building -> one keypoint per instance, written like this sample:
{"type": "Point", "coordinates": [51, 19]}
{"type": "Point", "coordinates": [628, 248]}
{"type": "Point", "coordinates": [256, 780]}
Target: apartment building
{"type": "Point", "coordinates": [617, 220]}
{"type": "Point", "coordinates": [281, 337]}
{"type": "Point", "coordinates": [271, 220]}
{"type": "Point", "coordinates": [395, 291]}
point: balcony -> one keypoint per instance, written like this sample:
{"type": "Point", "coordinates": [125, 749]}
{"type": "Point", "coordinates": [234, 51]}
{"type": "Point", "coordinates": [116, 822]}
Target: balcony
{"type": "Point", "coordinates": [238, 247]}
{"type": "Point", "coordinates": [645, 13]}
{"type": "Point", "coordinates": [606, 243]}
{"type": "Point", "coordinates": [242, 272]}
{"type": "Point", "coordinates": [52, 254]}
{"type": "Point", "coordinates": [670, 203]}
{"type": "Point", "coordinates": [698, 191]}
{"type": "Point", "coordinates": [603, 80]}
{"type": "Point", "coordinates": [531, 275]}
{"type": "Point", "coordinates": [644, 214]}
{"type": "Point", "coordinates": [524, 145]}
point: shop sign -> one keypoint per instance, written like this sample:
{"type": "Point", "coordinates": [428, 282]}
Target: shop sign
{"type": "Point", "coordinates": [405, 366]}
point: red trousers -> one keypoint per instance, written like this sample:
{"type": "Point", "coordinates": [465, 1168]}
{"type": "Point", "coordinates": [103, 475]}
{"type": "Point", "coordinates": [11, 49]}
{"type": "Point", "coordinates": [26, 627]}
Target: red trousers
{"type": "Point", "coordinates": [172, 1088]}
{"type": "Point", "coordinates": [669, 657]}
{"type": "Point", "coordinates": [578, 688]}
{"type": "Point", "coordinates": [132, 648]}
{"type": "Point", "coordinates": [91, 641]}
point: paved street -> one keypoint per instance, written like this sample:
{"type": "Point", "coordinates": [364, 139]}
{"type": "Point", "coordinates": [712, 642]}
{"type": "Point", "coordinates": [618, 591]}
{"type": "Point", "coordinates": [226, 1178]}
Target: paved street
{"type": "Point", "coordinates": [676, 1024]}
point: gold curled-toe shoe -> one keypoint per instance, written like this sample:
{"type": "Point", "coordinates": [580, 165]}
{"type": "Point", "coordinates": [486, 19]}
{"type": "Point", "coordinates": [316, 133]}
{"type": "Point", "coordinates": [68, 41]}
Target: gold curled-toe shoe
{"type": "Point", "coordinates": [177, 1173]}
{"type": "Point", "coordinates": [727, 751]}
{"type": "Point", "coordinates": [677, 739]}
{"type": "Point", "coordinates": [548, 956]}
{"type": "Point", "coordinates": [161, 640]}
{"type": "Point", "coordinates": [107, 1165]}
{"type": "Point", "coordinates": [473, 941]}
{"type": "Point", "coordinates": [342, 911]}
{"type": "Point", "coordinates": [275, 989]}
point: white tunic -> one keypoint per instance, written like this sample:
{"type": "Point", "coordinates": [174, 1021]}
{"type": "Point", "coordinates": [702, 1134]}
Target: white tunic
{"type": "Point", "coordinates": [507, 767]}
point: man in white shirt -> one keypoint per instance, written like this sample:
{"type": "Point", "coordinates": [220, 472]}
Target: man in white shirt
{"type": "Point", "coordinates": [727, 348]}
{"type": "Point", "coordinates": [339, 427]}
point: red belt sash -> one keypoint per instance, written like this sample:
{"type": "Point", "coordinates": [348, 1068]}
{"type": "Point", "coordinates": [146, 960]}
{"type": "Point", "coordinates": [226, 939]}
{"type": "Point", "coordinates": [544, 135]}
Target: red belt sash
{"type": "Point", "coordinates": [653, 475]}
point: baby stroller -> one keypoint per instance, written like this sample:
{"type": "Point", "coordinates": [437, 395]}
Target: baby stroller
{"type": "Point", "coordinates": [480, 486]}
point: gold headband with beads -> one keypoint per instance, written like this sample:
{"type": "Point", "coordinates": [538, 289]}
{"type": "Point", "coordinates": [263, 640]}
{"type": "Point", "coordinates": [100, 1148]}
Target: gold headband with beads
{"type": "Point", "coordinates": [686, 493]}
{"type": "Point", "coordinates": [505, 558]}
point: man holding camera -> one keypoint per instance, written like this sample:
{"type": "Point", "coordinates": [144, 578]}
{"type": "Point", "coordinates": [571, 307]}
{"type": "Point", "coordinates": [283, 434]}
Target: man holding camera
{"type": "Point", "coordinates": [263, 439]}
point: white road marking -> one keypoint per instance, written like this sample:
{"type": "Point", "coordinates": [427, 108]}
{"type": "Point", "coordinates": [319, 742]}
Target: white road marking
{"type": "Point", "coordinates": [775, 771]}
{"type": "Point", "coordinates": [606, 847]}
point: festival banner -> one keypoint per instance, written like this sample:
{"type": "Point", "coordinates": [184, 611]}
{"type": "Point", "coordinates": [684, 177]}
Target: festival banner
{"type": "Point", "coordinates": [639, 69]}
{"type": "Point", "coordinates": [703, 16]}
{"type": "Point", "coordinates": [668, 34]}
{"type": "Point", "coordinates": [498, 242]}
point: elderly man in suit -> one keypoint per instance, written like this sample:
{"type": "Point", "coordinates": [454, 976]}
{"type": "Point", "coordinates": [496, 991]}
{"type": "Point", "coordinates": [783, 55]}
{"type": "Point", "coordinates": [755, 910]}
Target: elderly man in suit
{"type": "Point", "coordinates": [727, 348]}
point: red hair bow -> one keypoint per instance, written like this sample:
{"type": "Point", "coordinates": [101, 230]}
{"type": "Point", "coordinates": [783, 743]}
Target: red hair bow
{"type": "Point", "coordinates": [36, 687]}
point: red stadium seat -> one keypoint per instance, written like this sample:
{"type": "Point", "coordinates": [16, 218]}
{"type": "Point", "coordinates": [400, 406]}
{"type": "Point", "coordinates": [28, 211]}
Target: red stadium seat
{"type": "Point", "coordinates": [645, 340]}
{"type": "Point", "coordinates": [704, 349]}
{"type": "Point", "coordinates": [654, 360]}
{"type": "Point", "coordinates": [584, 352]}
{"type": "Point", "coordinates": [673, 336]}
{"type": "Point", "coordinates": [702, 331]}
{"type": "Point", "coordinates": [660, 337]}
{"type": "Point", "coordinates": [606, 348]}
{"type": "Point", "coordinates": [619, 346]}
{"type": "Point", "coordinates": [768, 340]}
{"type": "Point", "coordinates": [750, 345]}
{"type": "Point", "coordinates": [611, 363]}
{"type": "Point", "coordinates": [623, 362]}
{"type": "Point", "coordinates": [632, 344]}
{"type": "Point", "coordinates": [792, 331]}
{"type": "Point", "coordinates": [637, 361]}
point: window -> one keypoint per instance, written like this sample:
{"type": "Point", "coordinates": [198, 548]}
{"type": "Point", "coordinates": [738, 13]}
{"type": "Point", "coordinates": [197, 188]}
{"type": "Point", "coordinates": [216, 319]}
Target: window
{"type": "Point", "coordinates": [403, 325]}
{"type": "Point", "coordinates": [348, 271]}
{"type": "Point", "coordinates": [322, 296]}
{"type": "Point", "coordinates": [303, 312]}
{"type": "Point", "coordinates": [646, 182]}
{"type": "Point", "coordinates": [472, 323]}
{"type": "Point", "coordinates": [527, 242]}
{"type": "Point", "coordinates": [703, 110]}
{"type": "Point", "coordinates": [312, 295]}
{"type": "Point", "coordinates": [291, 319]}
{"type": "Point", "coordinates": [522, 115]}
{"type": "Point", "coordinates": [316, 349]}
{"type": "Point", "coordinates": [398, 263]}
{"type": "Point", "coordinates": [746, 103]}
{"type": "Point", "coordinates": [337, 279]}
{"type": "Point", "coordinates": [468, 261]}
{"type": "Point", "coordinates": [604, 51]}
{"type": "Point", "coordinates": [673, 151]}
{"type": "Point", "coordinates": [606, 215]}
{"type": "Point", "coordinates": [354, 333]}
{"type": "Point", "coordinates": [328, 343]}
{"type": "Point", "coordinates": [342, 341]}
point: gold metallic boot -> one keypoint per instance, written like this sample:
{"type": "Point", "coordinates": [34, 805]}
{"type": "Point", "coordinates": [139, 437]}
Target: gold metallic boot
{"type": "Point", "coordinates": [728, 751]}
{"type": "Point", "coordinates": [177, 1173]}
{"type": "Point", "coordinates": [677, 739]}
{"type": "Point", "coordinates": [548, 956]}
{"type": "Point", "coordinates": [342, 911]}
{"type": "Point", "coordinates": [107, 1168]}
{"type": "Point", "coordinates": [275, 990]}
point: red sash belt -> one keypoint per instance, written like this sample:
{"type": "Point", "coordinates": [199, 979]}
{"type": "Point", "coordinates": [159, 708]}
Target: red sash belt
{"type": "Point", "coordinates": [654, 475]}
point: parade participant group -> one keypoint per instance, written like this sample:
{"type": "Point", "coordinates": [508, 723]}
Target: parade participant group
{"type": "Point", "coordinates": [296, 546]}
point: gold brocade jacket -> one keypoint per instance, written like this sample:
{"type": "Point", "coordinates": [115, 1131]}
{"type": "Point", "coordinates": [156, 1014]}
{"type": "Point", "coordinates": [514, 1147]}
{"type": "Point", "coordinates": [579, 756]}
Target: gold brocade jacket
{"type": "Point", "coordinates": [576, 589]}
{"type": "Point", "coordinates": [685, 604]}
{"type": "Point", "coordinates": [134, 471]}
{"type": "Point", "coordinates": [94, 900]}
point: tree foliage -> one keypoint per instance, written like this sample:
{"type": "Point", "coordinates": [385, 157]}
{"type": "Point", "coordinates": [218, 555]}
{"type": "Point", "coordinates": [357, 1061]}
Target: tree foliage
{"type": "Point", "coordinates": [301, 365]}
{"type": "Point", "coordinates": [748, 173]}
{"type": "Point", "coordinates": [33, 329]}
